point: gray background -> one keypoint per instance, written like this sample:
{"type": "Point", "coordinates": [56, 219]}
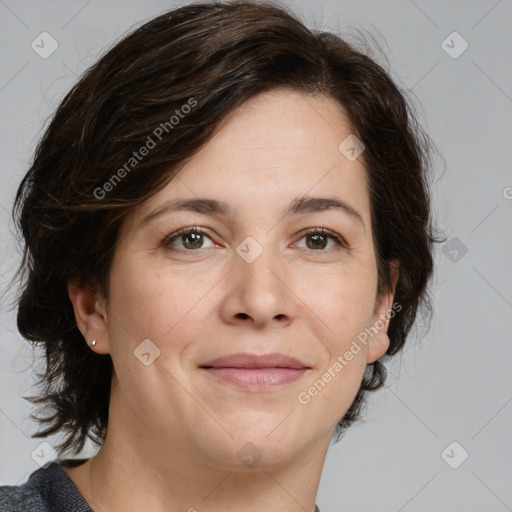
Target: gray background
{"type": "Point", "coordinates": [452, 384]}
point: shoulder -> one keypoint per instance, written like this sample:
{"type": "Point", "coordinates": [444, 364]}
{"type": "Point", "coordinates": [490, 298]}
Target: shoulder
{"type": "Point", "coordinates": [28, 496]}
{"type": "Point", "coordinates": [47, 489]}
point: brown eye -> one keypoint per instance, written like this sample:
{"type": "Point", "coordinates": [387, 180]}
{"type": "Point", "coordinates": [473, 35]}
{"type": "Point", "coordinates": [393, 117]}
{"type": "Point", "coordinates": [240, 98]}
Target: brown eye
{"type": "Point", "coordinates": [317, 239]}
{"type": "Point", "coordinates": [191, 239]}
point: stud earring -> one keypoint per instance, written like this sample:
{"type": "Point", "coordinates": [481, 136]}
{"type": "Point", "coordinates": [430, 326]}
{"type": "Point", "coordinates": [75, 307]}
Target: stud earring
{"type": "Point", "coordinates": [93, 342]}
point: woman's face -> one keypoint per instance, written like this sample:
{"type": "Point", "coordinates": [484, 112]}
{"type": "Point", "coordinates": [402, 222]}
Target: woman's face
{"type": "Point", "coordinates": [248, 281]}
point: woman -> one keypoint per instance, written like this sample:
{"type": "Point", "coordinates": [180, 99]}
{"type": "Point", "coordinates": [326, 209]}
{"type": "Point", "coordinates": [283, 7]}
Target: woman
{"type": "Point", "coordinates": [227, 225]}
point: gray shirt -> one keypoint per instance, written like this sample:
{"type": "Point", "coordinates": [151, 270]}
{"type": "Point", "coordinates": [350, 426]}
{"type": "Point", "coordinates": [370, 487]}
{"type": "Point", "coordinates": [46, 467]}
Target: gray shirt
{"type": "Point", "coordinates": [48, 489]}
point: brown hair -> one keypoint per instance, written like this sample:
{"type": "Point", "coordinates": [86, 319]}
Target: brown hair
{"type": "Point", "coordinates": [213, 57]}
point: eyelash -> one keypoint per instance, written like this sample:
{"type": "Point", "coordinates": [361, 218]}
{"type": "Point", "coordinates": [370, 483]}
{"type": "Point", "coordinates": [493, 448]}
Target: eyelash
{"type": "Point", "coordinates": [340, 242]}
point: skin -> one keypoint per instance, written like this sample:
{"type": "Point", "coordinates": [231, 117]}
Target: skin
{"type": "Point", "coordinates": [174, 430]}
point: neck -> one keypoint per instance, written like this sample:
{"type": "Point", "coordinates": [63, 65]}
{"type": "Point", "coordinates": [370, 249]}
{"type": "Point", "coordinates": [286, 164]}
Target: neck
{"type": "Point", "coordinates": [134, 471]}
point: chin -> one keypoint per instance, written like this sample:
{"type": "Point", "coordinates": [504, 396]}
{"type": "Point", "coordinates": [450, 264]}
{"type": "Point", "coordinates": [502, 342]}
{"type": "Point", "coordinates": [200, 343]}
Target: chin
{"type": "Point", "coordinates": [251, 447]}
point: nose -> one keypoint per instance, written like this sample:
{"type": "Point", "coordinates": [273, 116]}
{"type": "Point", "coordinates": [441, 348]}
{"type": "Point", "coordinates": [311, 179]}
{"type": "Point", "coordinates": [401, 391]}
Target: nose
{"type": "Point", "coordinates": [258, 291]}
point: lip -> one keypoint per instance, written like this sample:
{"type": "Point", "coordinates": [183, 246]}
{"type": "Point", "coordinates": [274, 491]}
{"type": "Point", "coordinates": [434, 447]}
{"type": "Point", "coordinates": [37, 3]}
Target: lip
{"type": "Point", "coordinates": [257, 373]}
{"type": "Point", "coordinates": [258, 379]}
{"type": "Point", "coordinates": [245, 360]}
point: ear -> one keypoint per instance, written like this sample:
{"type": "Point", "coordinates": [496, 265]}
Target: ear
{"type": "Point", "coordinates": [91, 316]}
{"type": "Point", "coordinates": [379, 340]}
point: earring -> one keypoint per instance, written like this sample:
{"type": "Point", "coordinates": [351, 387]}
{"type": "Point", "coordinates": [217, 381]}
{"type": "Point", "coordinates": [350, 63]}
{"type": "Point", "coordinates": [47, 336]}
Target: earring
{"type": "Point", "coordinates": [93, 342]}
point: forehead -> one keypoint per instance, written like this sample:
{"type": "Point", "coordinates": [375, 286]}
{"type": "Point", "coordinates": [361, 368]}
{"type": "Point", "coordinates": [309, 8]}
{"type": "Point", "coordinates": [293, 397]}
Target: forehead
{"type": "Point", "coordinates": [275, 147]}
{"type": "Point", "coordinates": [281, 124]}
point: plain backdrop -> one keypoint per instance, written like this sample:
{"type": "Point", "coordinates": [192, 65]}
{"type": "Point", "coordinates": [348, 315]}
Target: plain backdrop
{"type": "Point", "coordinates": [437, 437]}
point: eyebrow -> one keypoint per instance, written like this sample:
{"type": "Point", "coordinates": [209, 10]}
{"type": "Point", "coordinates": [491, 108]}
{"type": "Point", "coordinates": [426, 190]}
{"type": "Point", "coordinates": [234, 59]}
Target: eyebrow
{"type": "Point", "coordinates": [300, 205]}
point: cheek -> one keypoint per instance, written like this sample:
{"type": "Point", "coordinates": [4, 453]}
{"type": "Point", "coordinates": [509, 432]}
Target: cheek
{"type": "Point", "coordinates": [346, 312]}
{"type": "Point", "coordinates": [343, 301]}
{"type": "Point", "coordinates": [135, 298]}
{"type": "Point", "coordinates": [151, 301]}
{"type": "Point", "coordinates": [345, 306]}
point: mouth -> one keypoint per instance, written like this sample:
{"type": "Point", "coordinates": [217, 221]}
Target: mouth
{"type": "Point", "coordinates": [256, 372]}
